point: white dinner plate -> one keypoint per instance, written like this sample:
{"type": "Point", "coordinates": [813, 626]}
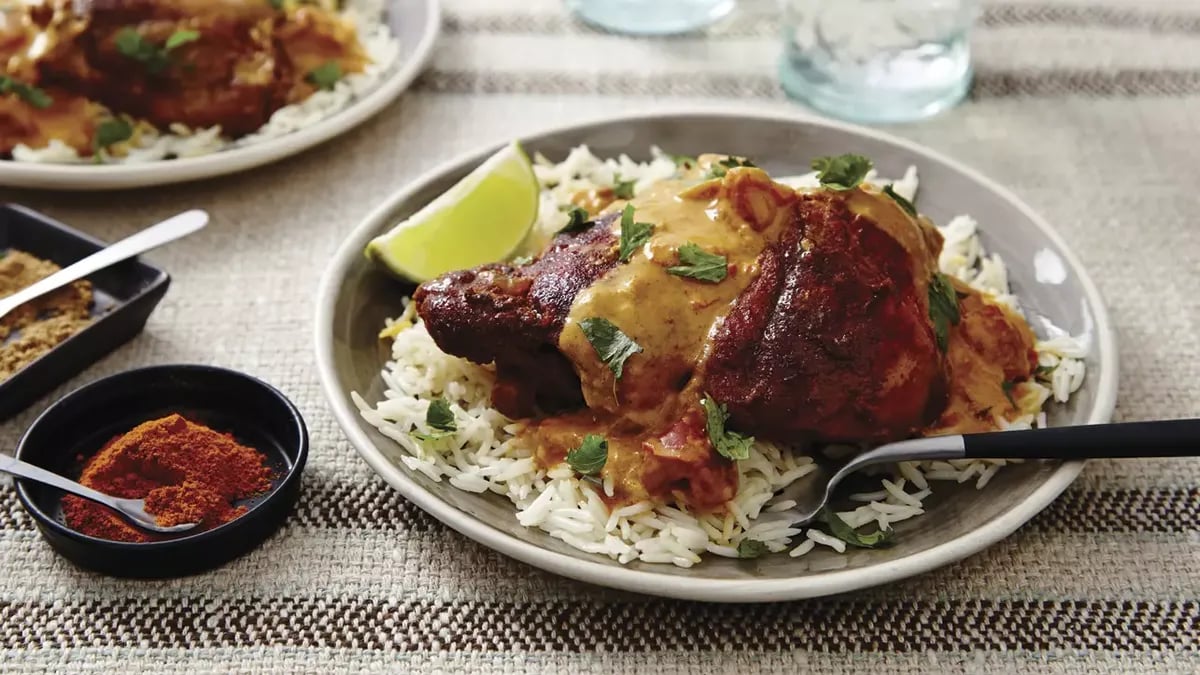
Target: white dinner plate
{"type": "Point", "coordinates": [355, 297]}
{"type": "Point", "coordinates": [415, 23]}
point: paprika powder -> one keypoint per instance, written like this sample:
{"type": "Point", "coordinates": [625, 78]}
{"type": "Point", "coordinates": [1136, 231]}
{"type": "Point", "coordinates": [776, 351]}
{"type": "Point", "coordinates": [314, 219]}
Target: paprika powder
{"type": "Point", "coordinates": [186, 472]}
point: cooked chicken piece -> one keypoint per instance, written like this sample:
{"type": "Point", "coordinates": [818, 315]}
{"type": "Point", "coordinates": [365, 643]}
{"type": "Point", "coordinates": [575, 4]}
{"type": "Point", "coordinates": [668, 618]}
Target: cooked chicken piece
{"type": "Point", "coordinates": [226, 74]}
{"type": "Point", "coordinates": [833, 340]}
{"type": "Point", "coordinates": [70, 119]}
{"type": "Point", "coordinates": [828, 335]}
{"type": "Point", "coordinates": [198, 63]}
{"type": "Point", "coordinates": [811, 320]}
{"type": "Point", "coordinates": [512, 316]}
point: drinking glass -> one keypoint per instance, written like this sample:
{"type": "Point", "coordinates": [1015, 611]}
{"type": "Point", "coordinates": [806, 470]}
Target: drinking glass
{"type": "Point", "coordinates": [877, 60]}
{"type": "Point", "coordinates": [651, 17]}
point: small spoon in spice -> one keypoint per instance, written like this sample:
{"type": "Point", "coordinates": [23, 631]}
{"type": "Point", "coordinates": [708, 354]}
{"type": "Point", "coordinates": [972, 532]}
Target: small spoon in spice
{"type": "Point", "coordinates": [134, 510]}
{"type": "Point", "coordinates": [152, 237]}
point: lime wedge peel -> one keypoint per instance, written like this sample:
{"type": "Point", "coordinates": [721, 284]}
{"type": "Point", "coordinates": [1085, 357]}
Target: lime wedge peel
{"type": "Point", "coordinates": [484, 218]}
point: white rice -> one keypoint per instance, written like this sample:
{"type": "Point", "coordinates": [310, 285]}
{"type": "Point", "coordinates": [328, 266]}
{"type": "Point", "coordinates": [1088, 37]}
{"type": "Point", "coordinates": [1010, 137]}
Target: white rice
{"type": "Point", "coordinates": [378, 43]}
{"type": "Point", "coordinates": [485, 455]}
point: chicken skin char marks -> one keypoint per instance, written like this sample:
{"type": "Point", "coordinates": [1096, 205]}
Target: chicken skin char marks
{"type": "Point", "coordinates": [512, 315]}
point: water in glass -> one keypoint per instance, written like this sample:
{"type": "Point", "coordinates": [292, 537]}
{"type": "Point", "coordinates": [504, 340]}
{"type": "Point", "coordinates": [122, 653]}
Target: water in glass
{"type": "Point", "coordinates": [877, 60]}
{"type": "Point", "coordinates": [651, 17]}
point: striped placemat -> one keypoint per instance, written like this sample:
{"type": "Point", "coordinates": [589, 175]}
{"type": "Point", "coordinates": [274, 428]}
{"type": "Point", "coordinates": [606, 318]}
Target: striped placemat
{"type": "Point", "coordinates": [1087, 110]}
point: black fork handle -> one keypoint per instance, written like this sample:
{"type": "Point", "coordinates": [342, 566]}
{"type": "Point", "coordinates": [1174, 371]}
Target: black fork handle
{"type": "Point", "coordinates": [1168, 438]}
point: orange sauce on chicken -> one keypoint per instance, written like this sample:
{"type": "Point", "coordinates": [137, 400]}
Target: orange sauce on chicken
{"type": "Point", "coordinates": [652, 417]}
{"type": "Point", "coordinates": [990, 352]}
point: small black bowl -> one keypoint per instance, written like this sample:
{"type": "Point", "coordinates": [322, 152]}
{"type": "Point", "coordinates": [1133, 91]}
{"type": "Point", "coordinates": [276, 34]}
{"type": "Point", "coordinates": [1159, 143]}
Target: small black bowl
{"type": "Point", "coordinates": [257, 414]}
{"type": "Point", "coordinates": [124, 296]}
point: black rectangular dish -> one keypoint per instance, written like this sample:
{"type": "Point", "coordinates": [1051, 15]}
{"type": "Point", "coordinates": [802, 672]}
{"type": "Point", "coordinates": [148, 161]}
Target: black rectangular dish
{"type": "Point", "coordinates": [124, 295]}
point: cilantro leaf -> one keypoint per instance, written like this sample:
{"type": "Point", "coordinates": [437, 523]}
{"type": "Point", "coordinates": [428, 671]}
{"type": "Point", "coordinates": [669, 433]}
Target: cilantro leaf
{"type": "Point", "coordinates": [431, 436]}
{"type": "Point", "coordinates": [131, 44]}
{"type": "Point", "coordinates": [697, 263]}
{"type": "Point", "coordinates": [748, 549]}
{"type": "Point", "coordinates": [943, 308]}
{"type": "Point", "coordinates": [622, 189]}
{"type": "Point", "coordinates": [728, 444]}
{"type": "Point", "coordinates": [633, 235]}
{"type": "Point", "coordinates": [156, 59]}
{"type": "Point", "coordinates": [325, 76]}
{"type": "Point", "coordinates": [180, 38]}
{"type": "Point", "coordinates": [612, 346]}
{"type": "Point", "coordinates": [843, 172]}
{"type": "Point", "coordinates": [589, 458]}
{"type": "Point", "coordinates": [110, 132]}
{"type": "Point", "coordinates": [577, 220]}
{"type": "Point", "coordinates": [904, 203]}
{"type": "Point", "coordinates": [35, 97]}
{"type": "Point", "coordinates": [683, 161]}
{"type": "Point", "coordinates": [1008, 386]}
{"type": "Point", "coordinates": [842, 530]}
{"type": "Point", "coordinates": [723, 166]}
{"type": "Point", "coordinates": [439, 415]}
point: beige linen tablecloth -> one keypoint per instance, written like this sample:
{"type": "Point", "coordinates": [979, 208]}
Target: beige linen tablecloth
{"type": "Point", "coordinates": [1090, 111]}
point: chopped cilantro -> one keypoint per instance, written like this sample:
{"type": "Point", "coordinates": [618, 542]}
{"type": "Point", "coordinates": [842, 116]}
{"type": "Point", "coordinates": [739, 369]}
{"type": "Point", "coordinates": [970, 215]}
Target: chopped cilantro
{"type": "Point", "coordinates": [440, 419]}
{"type": "Point", "coordinates": [180, 38]}
{"type": "Point", "coordinates": [843, 172]}
{"type": "Point", "coordinates": [1008, 387]}
{"type": "Point", "coordinates": [683, 161]}
{"type": "Point", "coordinates": [325, 76]}
{"type": "Point", "coordinates": [723, 166]}
{"type": "Point", "coordinates": [109, 132]}
{"type": "Point", "coordinates": [633, 235]}
{"type": "Point", "coordinates": [728, 444]}
{"type": "Point", "coordinates": [623, 189]}
{"type": "Point", "coordinates": [589, 458]}
{"type": "Point", "coordinates": [697, 263]}
{"type": "Point", "coordinates": [26, 92]}
{"type": "Point", "coordinates": [612, 346]}
{"type": "Point", "coordinates": [156, 59]}
{"type": "Point", "coordinates": [842, 530]}
{"type": "Point", "coordinates": [943, 308]}
{"type": "Point", "coordinates": [439, 415]}
{"type": "Point", "coordinates": [748, 549]}
{"type": "Point", "coordinates": [904, 203]}
{"type": "Point", "coordinates": [577, 219]}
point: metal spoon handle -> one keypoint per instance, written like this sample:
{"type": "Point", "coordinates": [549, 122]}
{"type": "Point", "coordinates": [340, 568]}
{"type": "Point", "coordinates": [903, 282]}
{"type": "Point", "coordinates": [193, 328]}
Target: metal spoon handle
{"type": "Point", "coordinates": [1168, 438]}
{"type": "Point", "coordinates": [16, 467]}
{"type": "Point", "coordinates": [152, 237]}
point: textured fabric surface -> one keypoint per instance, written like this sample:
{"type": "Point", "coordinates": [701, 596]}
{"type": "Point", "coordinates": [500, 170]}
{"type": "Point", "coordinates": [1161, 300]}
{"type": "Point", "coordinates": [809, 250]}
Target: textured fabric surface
{"type": "Point", "coordinates": [1089, 111]}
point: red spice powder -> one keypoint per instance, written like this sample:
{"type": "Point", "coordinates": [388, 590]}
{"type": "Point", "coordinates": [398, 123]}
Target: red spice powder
{"type": "Point", "coordinates": [185, 471]}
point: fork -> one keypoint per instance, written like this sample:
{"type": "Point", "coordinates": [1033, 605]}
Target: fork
{"type": "Point", "coordinates": [1167, 438]}
{"type": "Point", "coordinates": [133, 510]}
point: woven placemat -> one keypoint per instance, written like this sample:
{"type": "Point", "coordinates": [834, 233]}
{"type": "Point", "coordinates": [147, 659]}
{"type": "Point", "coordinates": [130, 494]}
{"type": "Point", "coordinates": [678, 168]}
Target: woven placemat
{"type": "Point", "coordinates": [1088, 111]}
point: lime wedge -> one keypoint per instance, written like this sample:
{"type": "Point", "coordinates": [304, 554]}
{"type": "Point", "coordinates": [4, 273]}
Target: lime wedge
{"type": "Point", "coordinates": [482, 219]}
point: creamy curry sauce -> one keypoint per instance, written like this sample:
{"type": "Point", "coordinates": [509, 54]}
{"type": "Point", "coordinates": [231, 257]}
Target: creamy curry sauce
{"type": "Point", "coordinates": [652, 418]}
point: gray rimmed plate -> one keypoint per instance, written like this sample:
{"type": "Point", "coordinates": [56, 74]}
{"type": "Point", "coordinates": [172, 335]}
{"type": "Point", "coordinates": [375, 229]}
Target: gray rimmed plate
{"type": "Point", "coordinates": [415, 24]}
{"type": "Point", "coordinates": [355, 298]}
